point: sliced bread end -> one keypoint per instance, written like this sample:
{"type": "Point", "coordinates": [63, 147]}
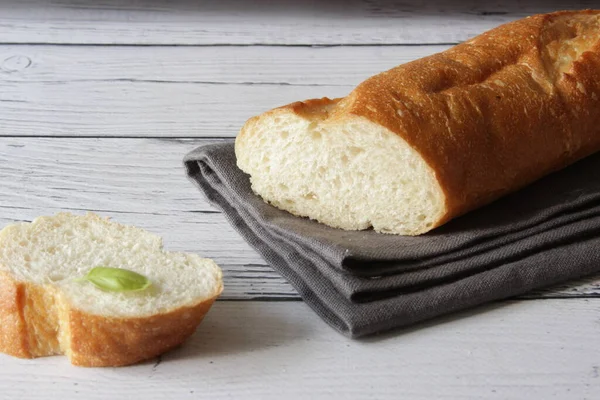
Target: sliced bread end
{"type": "Point", "coordinates": [45, 308]}
{"type": "Point", "coordinates": [314, 160]}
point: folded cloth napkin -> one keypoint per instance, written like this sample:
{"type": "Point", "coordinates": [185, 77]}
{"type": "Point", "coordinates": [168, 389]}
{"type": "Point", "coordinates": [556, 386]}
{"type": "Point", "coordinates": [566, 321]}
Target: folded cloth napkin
{"type": "Point", "coordinates": [363, 282]}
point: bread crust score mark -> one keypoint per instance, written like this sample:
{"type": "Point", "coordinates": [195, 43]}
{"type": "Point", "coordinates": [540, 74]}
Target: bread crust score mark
{"type": "Point", "coordinates": [488, 116]}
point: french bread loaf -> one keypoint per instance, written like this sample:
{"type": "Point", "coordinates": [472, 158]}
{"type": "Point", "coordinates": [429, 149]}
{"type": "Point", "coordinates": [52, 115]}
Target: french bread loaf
{"type": "Point", "coordinates": [46, 309]}
{"type": "Point", "coordinates": [413, 147]}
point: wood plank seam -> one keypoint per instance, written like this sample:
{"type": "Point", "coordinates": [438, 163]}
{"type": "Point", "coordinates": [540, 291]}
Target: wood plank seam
{"type": "Point", "coordinates": [144, 184]}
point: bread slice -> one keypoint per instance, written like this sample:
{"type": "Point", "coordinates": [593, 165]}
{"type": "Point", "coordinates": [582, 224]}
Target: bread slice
{"type": "Point", "coordinates": [46, 309]}
{"type": "Point", "coordinates": [422, 143]}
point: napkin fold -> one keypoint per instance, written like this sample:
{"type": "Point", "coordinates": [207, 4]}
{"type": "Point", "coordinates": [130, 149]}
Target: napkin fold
{"type": "Point", "coordinates": [363, 282]}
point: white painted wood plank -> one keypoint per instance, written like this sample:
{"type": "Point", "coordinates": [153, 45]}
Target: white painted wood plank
{"type": "Point", "coordinates": [256, 350]}
{"type": "Point", "coordinates": [332, 66]}
{"type": "Point", "coordinates": [142, 182]}
{"type": "Point", "coordinates": [259, 22]}
{"type": "Point", "coordinates": [139, 182]}
{"type": "Point", "coordinates": [181, 91]}
{"type": "Point", "coordinates": [142, 109]}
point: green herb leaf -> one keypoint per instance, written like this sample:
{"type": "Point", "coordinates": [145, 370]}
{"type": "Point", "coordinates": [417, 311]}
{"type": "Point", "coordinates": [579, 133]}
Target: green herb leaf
{"type": "Point", "coordinates": [116, 279]}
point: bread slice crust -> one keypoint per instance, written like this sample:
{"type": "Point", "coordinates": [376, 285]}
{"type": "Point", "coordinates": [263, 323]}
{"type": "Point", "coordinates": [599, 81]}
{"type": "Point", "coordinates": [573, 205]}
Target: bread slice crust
{"type": "Point", "coordinates": [88, 340]}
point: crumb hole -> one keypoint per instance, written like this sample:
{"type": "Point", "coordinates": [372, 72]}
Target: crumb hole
{"type": "Point", "coordinates": [56, 277]}
{"type": "Point", "coordinates": [356, 150]}
{"type": "Point", "coordinates": [430, 197]}
{"type": "Point", "coordinates": [315, 135]}
{"type": "Point", "coordinates": [344, 159]}
{"type": "Point", "coordinates": [321, 170]}
{"type": "Point", "coordinates": [284, 134]}
{"type": "Point", "coordinates": [283, 187]}
{"type": "Point", "coordinates": [421, 217]}
{"type": "Point", "coordinates": [27, 257]}
{"type": "Point", "coordinates": [310, 196]}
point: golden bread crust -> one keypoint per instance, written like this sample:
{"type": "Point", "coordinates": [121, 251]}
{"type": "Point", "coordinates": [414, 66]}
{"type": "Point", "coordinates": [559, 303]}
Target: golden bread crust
{"type": "Point", "coordinates": [98, 341]}
{"type": "Point", "coordinates": [13, 337]}
{"type": "Point", "coordinates": [37, 321]}
{"type": "Point", "coordinates": [495, 113]}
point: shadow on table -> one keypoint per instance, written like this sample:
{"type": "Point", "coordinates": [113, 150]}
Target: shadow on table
{"type": "Point", "coordinates": [234, 327]}
{"type": "Point", "coordinates": [436, 322]}
{"type": "Point", "coordinates": [586, 287]}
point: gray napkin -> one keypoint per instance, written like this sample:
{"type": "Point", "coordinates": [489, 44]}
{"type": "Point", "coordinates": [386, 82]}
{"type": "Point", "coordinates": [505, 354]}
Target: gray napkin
{"type": "Point", "coordinates": [364, 282]}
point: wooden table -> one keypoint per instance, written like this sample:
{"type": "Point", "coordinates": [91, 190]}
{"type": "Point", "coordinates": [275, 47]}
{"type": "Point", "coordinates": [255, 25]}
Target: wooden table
{"type": "Point", "coordinates": [100, 100]}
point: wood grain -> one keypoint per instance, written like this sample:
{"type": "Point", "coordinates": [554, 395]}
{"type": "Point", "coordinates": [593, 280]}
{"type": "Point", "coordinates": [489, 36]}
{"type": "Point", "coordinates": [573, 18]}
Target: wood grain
{"type": "Point", "coordinates": [515, 350]}
{"type": "Point", "coordinates": [66, 91]}
{"type": "Point", "coordinates": [142, 182]}
{"type": "Point", "coordinates": [141, 109]}
{"type": "Point", "coordinates": [287, 22]}
{"type": "Point", "coordinates": [251, 65]}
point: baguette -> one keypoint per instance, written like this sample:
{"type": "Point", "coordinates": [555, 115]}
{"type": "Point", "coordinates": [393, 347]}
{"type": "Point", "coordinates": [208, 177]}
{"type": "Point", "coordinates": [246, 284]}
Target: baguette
{"type": "Point", "coordinates": [411, 148]}
{"type": "Point", "coordinates": [45, 309]}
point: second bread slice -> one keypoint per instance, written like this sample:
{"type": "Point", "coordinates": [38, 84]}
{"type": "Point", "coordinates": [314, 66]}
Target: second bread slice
{"type": "Point", "coordinates": [46, 308]}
